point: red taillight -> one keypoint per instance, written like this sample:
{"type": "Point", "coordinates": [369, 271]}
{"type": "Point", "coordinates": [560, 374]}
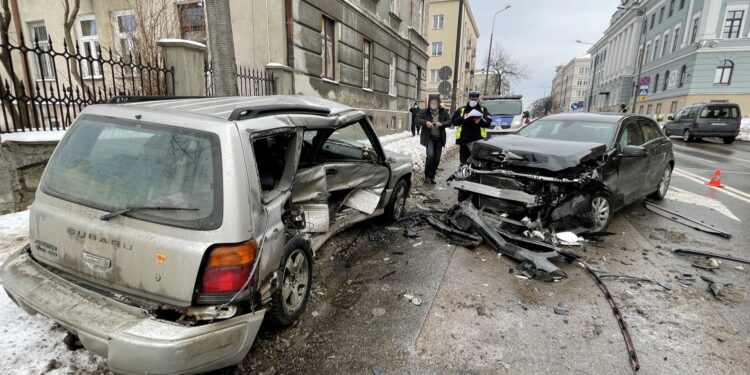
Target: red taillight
{"type": "Point", "coordinates": [228, 267]}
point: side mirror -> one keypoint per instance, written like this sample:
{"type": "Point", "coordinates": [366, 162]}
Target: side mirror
{"type": "Point", "coordinates": [633, 151]}
{"type": "Point", "coordinates": [670, 118]}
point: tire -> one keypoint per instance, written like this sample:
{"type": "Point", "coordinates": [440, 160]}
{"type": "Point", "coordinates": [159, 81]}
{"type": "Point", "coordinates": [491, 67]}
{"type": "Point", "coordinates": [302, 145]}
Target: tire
{"type": "Point", "coordinates": [686, 136]}
{"type": "Point", "coordinates": [728, 140]}
{"type": "Point", "coordinates": [289, 301]}
{"type": "Point", "coordinates": [663, 186]}
{"type": "Point", "coordinates": [600, 211]}
{"type": "Point", "coordinates": [397, 205]}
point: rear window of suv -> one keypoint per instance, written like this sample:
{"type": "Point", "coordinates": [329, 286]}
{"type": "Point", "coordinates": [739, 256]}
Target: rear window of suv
{"type": "Point", "coordinates": [719, 111]}
{"type": "Point", "coordinates": [111, 164]}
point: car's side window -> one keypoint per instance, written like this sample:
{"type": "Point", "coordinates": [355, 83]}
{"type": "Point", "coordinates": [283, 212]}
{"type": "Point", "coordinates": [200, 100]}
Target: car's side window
{"type": "Point", "coordinates": [691, 113]}
{"type": "Point", "coordinates": [680, 114]}
{"type": "Point", "coordinates": [650, 132]}
{"type": "Point", "coordinates": [350, 142]}
{"type": "Point", "coordinates": [631, 136]}
{"type": "Point", "coordinates": [271, 154]}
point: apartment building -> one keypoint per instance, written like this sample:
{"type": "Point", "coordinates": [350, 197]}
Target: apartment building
{"type": "Point", "coordinates": [441, 34]}
{"type": "Point", "coordinates": [688, 51]}
{"type": "Point", "coordinates": [368, 54]}
{"type": "Point", "coordinates": [570, 85]}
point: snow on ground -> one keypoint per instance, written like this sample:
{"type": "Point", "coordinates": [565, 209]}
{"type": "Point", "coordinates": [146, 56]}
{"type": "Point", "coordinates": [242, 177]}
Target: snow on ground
{"type": "Point", "coordinates": [403, 143]}
{"type": "Point", "coordinates": [745, 130]}
{"type": "Point", "coordinates": [33, 344]}
{"type": "Point", "coordinates": [44, 136]}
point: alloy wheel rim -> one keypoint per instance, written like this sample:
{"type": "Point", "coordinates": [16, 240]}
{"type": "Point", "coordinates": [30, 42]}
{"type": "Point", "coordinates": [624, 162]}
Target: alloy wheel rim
{"type": "Point", "coordinates": [400, 202]}
{"type": "Point", "coordinates": [664, 183]}
{"type": "Point", "coordinates": [295, 286]}
{"type": "Point", "coordinates": [686, 135]}
{"type": "Point", "coordinates": [600, 211]}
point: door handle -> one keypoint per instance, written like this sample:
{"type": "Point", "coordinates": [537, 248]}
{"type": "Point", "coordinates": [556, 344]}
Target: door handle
{"type": "Point", "coordinates": [331, 171]}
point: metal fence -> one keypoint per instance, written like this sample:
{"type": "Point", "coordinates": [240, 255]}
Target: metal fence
{"type": "Point", "coordinates": [250, 82]}
{"type": "Point", "coordinates": [44, 89]}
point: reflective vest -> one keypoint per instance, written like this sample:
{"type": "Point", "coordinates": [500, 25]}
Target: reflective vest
{"type": "Point", "coordinates": [458, 128]}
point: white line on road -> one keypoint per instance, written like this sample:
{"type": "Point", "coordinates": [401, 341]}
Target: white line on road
{"type": "Point", "coordinates": [741, 196]}
{"type": "Point", "coordinates": [710, 153]}
{"type": "Point", "coordinates": [736, 191]}
{"type": "Point", "coordinates": [682, 154]}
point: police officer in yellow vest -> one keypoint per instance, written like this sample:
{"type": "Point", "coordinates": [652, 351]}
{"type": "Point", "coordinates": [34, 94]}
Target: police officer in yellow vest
{"type": "Point", "coordinates": [470, 128]}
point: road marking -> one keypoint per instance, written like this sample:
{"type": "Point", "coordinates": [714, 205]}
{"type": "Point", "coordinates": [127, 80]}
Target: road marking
{"type": "Point", "coordinates": [702, 181]}
{"type": "Point", "coordinates": [736, 191]}
{"type": "Point", "coordinates": [710, 153]}
{"type": "Point", "coordinates": [695, 157]}
{"type": "Point", "coordinates": [681, 195]}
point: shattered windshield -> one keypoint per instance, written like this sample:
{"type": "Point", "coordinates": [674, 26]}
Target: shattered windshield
{"type": "Point", "coordinates": [570, 130]}
{"type": "Point", "coordinates": [114, 164]}
{"type": "Point", "coordinates": [503, 107]}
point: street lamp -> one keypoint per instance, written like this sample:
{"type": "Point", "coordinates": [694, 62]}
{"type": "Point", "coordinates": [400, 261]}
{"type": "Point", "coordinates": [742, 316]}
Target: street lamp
{"type": "Point", "coordinates": [593, 77]}
{"type": "Point", "coordinates": [489, 53]}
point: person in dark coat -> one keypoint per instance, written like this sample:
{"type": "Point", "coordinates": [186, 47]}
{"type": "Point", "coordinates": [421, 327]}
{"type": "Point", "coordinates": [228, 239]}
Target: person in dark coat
{"type": "Point", "coordinates": [470, 129]}
{"type": "Point", "coordinates": [414, 113]}
{"type": "Point", "coordinates": [433, 121]}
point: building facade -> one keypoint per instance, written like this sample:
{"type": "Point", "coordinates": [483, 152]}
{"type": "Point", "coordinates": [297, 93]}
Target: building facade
{"type": "Point", "coordinates": [688, 51]}
{"type": "Point", "coordinates": [441, 34]}
{"type": "Point", "coordinates": [368, 54]}
{"type": "Point", "coordinates": [570, 85]}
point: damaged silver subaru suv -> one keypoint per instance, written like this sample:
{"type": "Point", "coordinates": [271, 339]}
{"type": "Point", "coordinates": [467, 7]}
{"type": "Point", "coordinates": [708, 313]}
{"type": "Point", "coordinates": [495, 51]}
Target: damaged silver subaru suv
{"type": "Point", "coordinates": [164, 232]}
{"type": "Point", "coordinates": [568, 171]}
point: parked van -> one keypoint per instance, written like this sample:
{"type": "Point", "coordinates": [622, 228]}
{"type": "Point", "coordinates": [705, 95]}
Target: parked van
{"type": "Point", "coordinates": [721, 120]}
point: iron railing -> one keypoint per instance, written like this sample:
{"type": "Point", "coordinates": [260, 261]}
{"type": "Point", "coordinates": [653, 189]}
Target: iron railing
{"type": "Point", "coordinates": [250, 82]}
{"type": "Point", "coordinates": [44, 89]}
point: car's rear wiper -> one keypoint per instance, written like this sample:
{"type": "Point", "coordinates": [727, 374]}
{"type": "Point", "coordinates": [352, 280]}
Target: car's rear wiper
{"type": "Point", "coordinates": [125, 210]}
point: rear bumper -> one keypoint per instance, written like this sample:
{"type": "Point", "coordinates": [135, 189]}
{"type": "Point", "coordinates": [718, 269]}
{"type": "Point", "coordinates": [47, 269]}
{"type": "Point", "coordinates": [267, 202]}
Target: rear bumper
{"type": "Point", "coordinates": [715, 132]}
{"type": "Point", "coordinates": [130, 340]}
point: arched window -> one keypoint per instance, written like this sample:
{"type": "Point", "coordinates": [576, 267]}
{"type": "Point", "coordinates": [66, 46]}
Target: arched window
{"type": "Point", "coordinates": [724, 73]}
{"type": "Point", "coordinates": [666, 81]}
{"type": "Point", "coordinates": [683, 75]}
{"type": "Point", "coordinates": [656, 83]}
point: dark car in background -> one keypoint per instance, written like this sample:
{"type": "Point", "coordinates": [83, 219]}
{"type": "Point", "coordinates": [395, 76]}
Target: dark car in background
{"type": "Point", "coordinates": [569, 171]}
{"type": "Point", "coordinates": [698, 121]}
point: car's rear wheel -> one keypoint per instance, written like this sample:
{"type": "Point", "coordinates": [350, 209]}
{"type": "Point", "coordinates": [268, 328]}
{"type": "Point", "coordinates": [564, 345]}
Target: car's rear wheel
{"type": "Point", "coordinates": [289, 301]}
{"type": "Point", "coordinates": [396, 208]}
{"type": "Point", "coordinates": [663, 186]}
{"type": "Point", "coordinates": [687, 136]}
{"type": "Point", "coordinates": [601, 211]}
{"type": "Point", "coordinates": [728, 140]}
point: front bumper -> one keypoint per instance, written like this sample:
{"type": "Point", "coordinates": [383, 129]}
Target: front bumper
{"type": "Point", "coordinates": [130, 340]}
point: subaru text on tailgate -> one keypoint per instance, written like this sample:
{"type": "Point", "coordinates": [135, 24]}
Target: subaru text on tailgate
{"type": "Point", "coordinates": [164, 231]}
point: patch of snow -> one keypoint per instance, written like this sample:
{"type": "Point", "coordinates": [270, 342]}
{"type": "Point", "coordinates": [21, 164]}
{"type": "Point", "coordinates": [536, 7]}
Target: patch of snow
{"type": "Point", "coordinates": [744, 130]}
{"type": "Point", "coordinates": [404, 144]}
{"type": "Point", "coordinates": [42, 136]}
{"type": "Point", "coordinates": [14, 232]}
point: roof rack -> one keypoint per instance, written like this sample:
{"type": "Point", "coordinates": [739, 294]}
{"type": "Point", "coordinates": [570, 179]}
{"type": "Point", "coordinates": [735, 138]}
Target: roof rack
{"type": "Point", "coordinates": [122, 99]}
{"type": "Point", "coordinates": [276, 109]}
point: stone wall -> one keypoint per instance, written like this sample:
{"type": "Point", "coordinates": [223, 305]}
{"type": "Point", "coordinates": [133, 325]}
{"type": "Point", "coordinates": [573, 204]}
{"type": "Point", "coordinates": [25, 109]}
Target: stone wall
{"type": "Point", "coordinates": [21, 167]}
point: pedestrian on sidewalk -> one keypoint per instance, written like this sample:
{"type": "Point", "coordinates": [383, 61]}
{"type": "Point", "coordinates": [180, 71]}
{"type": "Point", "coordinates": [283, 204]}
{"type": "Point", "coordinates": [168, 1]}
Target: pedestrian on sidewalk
{"type": "Point", "coordinates": [433, 121]}
{"type": "Point", "coordinates": [470, 127]}
{"type": "Point", "coordinates": [414, 113]}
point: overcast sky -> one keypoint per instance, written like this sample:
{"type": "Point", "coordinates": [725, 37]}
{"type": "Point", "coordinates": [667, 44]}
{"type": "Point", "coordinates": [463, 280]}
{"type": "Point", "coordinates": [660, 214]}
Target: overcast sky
{"type": "Point", "coordinates": [540, 34]}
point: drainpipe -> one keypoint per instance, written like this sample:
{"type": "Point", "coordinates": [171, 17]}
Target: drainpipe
{"type": "Point", "coordinates": [289, 21]}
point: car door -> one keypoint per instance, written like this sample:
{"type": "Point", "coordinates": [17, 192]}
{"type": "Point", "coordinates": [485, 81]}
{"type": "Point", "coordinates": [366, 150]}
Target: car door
{"type": "Point", "coordinates": [674, 126]}
{"type": "Point", "coordinates": [630, 169]}
{"type": "Point", "coordinates": [656, 148]}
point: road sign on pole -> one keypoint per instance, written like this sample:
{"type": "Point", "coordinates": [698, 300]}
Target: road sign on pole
{"type": "Point", "coordinates": [643, 90]}
{"type": "Point", "coordinates": [445, 73]}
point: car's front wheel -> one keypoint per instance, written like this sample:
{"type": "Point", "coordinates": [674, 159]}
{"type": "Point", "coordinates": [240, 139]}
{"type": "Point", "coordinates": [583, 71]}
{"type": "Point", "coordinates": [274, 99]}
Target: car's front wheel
{"type": "Point", "coordinates": [601, 211]}
{"type": "Point", "coordinates": [289, 301]}
{"type": "Point", "coordinates": [661, 189]}
{"type": "Point", "coordinates": [687, 136]}
{"type": "Point", "coordinates": [728, 140]}
{"type": "Point", "coordinates": [396, 208]}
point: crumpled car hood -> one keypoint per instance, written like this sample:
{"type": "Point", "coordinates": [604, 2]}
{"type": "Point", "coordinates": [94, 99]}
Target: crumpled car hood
{"type": "Point", "coordinates": [548, 154]}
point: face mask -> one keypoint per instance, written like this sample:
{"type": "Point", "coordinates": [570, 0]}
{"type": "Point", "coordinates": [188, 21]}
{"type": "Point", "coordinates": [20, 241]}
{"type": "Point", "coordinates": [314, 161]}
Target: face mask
{"type": "Point", "coordinates": [433, 106]}
{"type": "Point", "coordinates": [473, 103]}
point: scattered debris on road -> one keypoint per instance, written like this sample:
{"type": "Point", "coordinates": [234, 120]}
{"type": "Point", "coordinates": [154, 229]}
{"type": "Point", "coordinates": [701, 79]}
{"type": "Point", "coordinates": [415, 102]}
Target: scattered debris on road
{"type": "Point", "coordinates": [634, 279]}
{"type": "Point", "coordinates": [684, 220]}
{"type": "Point", "coordinates": [711, 255]}
{"type": "Point", "coordinates": [560, 309]}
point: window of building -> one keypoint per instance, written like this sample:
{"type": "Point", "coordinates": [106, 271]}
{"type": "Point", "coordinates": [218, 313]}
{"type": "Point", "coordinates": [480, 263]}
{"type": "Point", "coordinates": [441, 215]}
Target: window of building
{"type": "Point", "coordinates": [656, 50]}
{"type": "Point", "coordinates": [683, 75]}
{"type": "Point", "coordinates": [420, 17]}
{"type": "Point", "coordinates": [437, 48]}
{"type": "Point", "coordinates": [40, 39]}
{"type": "Point", "coordinates": [666, 81]}
{"type": "Point", "coordinates": [366, 57]}
{"type": "Point", "coordinates": [661, 15]}
{"type": "Point", "coordinates": [733, 24]}
{"type": "Point", "coordinates": [694, 34]}
{"type": "Point", "coordinates": [682, 4]}
{"type": "Point", "coordinates": [124, 31]}
{"type": "Point", "coordinates": [438, 21]}
{"type": "Point", "coordinates": [192, 21]}
{"type": "Point", "coordinates": [676, 39]}
{"type": "Point", "coordinates": [658, 108]}
{"type": "Point", "coordinates": [88, 42]}
{"type": "Point", "coordinates": [434, 75]}
{"type": "Point", "coordinates": [328, 34]}
{"type": "Point", "coordinates": [673, 107]}
{"type": "Point", "coordinates": [656, 84]}
{"type": "Point", "coordinates": [648, 52]}
{"type": "Point", "coordinates": [648, 109]}
{"type": "Point", "coordinates": [392, 77]}
{"type": "Point", "coordinates": [724, 73]}
{"type": "Point", "coordinates": [653, 21]}
{"type": "Point", "coordinates": [671, 7]}
{"type": "Point", "coordinates": [665, 49]}
{"type": "Point", "coordinates": [395, 6]}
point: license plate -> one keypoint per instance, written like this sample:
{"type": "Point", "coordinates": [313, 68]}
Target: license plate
{"type": "Point", "coordinates": [718, 123]}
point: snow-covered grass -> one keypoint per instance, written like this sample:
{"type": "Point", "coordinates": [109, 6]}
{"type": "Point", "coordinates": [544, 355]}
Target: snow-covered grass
{"type": "Point", "coordinates": [403, 143]}
{"type": "Point", "coordinates": [745, 130]}
{"type": "Point", "coordinates": [42, 136]}
{"type": "Point", "coordinates": [33, 344]}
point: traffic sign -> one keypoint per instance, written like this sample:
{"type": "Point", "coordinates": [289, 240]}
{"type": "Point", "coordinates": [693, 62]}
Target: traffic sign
{"type": "Point", "coordinates": [574, 106]}
{"type": "Point", "coordinates": [642, 98]}
{"type": "Point", "coordinates": [643, 92]}
{"type": "Point", "coordinates": [444, 88]}
{"type": "Point", "coordinates": [445, 73]}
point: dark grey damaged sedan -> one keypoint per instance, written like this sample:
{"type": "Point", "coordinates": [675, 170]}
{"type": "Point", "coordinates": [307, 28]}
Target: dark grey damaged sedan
{"type": "Point", "coordinates": [569, 171]}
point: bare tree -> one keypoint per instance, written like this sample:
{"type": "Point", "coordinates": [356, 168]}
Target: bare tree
{"type": "Point", "coordinates": [22, 112]}
{"type": "Point", "coordinates": [541, 107]}
{"type": "Point", "coordinates": [502, 71]}
{"type": "Point", "coordinates": [221, 42]}
{"type": "Point", "coordinates": [70, 12]}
